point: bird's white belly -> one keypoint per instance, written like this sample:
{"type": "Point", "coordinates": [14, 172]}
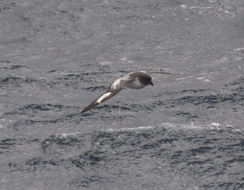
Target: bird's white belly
{"type": "Point", "coordinates": [135, 84]}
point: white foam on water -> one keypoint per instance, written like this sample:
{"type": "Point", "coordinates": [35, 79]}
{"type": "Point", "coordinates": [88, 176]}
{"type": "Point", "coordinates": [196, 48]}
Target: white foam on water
{"type": "Point", "coordinates": [4, 123]}
{"type": "Point", "coordinates": [72, 134]}
{"type": "Point", "coordinates": [204, 79]}
{"type": "Point", "coordinates": [105, 63]}
{"type": "Point", "coordinates": [212, 126]}
{"type": "Point", "coordinates": [140, 128]}
{"type": "Point", "coordinates": [175, 126]}
{"type": "Point", "coordinates": [215, 126]}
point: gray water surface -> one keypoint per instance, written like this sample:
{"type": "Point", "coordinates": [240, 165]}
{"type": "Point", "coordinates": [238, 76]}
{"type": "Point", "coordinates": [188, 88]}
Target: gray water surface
{"type": "Point", "coordinates": [185, 132]}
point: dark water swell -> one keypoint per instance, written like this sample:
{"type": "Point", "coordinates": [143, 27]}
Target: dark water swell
{"type": "Point", "coordinates": [168, 152]}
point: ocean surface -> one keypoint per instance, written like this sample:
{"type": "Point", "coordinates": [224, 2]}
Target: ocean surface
{"type": "Point", "coordinates": [184, 133]}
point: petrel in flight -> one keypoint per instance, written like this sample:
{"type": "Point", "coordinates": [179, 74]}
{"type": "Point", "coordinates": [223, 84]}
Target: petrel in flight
{"type": "Point", "coordinates": [134, 80]}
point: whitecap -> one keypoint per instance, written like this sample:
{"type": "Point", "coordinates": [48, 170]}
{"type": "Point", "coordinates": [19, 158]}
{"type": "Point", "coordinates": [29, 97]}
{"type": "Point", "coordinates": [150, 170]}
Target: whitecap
{"type": "Point", "coordinates": [105, 63]}
{"type": "Point", "coordinates": [140, 128]}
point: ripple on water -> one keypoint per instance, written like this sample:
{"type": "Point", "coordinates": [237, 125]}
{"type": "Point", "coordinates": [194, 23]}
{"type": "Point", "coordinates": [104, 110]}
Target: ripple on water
{"type": "Point", "coordinates": [32, 114]}
{"type": "Point", "coordinates": [167, 151]}
{"type": "Point", "coordinates": [15, 81]}
{"type": "Point", "coordinates": [11, 67]}
{"type": "Point", "coordinates": [6, 144]}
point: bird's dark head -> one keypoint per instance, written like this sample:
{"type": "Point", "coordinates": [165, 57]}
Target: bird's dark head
{"type": "Point", "coordinates": [146, 79]}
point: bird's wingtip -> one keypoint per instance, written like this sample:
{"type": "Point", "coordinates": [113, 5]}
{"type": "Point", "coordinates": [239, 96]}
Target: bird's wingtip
{"type": "Point", "coordinates": [83, 111]}
{"type": "Point", "coordinates": [157, 71]}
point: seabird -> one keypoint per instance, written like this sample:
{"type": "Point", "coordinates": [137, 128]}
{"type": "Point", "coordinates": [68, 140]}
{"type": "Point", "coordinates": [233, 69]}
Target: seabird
{"type": "Point", "coordinates": [133, 80]}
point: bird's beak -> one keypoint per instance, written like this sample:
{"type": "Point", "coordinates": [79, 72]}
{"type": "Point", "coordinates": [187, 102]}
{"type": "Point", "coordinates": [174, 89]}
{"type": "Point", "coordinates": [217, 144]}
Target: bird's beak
{"type": "Point", "coordinates": [151, 83]}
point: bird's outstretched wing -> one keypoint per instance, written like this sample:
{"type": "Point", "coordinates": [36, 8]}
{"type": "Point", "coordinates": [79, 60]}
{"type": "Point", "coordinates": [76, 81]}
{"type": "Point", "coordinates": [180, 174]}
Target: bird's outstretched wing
{"type": "Point", "coordinates": [102, 98]}
{"type": "Point", "coordinates": [156, 71]}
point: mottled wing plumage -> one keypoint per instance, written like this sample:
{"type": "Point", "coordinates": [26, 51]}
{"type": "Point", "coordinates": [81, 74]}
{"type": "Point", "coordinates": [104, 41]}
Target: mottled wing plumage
{"type": "Point", "coordinates": [100, 99]}
{"type": "Point", "coordinates": [114, 88]}
{"type": "Point", "coordinates": [121, 82]}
